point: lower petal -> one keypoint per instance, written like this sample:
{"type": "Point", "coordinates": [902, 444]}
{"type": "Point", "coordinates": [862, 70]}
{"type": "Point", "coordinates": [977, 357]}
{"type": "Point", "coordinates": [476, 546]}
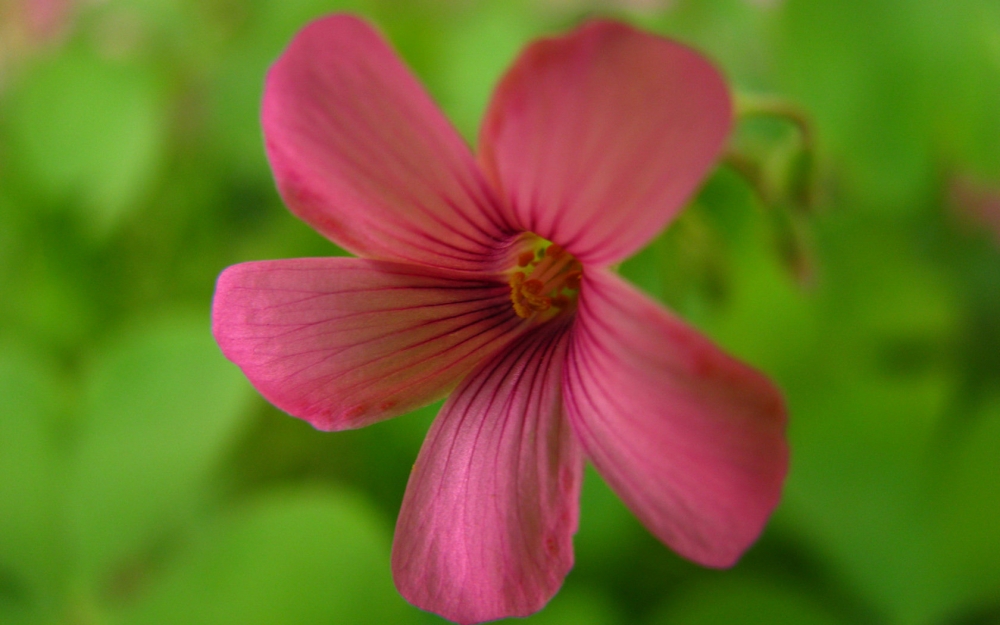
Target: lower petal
{"type": "Point", "coordinates": [485, 530]}
{"type": "Point", "coordinates": [344, 342]}
{"type": "Point", "coordinates": [691, 439]}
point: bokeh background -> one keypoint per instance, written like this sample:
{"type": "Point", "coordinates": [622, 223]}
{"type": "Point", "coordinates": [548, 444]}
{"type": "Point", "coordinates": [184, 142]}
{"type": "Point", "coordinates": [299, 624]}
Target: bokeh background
{"type": "Point", "coordinates": [848, 245]}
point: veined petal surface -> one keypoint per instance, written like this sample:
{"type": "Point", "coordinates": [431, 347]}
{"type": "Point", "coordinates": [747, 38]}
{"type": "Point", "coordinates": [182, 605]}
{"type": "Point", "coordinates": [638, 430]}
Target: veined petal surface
{"type": "Point", "coordinates": [692, 440]}
{"type": "Point", "coordinates": [597, 139]}
{"type": "Point", "coordinates": [344, 342]}
{"type": "Point", "coordinates": [485, 530]}
{"type": "Point", "coordinates": [362, 154]}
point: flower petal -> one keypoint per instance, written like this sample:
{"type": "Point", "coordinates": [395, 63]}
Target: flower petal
{"type": "Point", "coordinates": [692, 440]}
{"type": "Point", "coordinates": [343, 342]}
{"type": "Point", "coordinates": [486, 526]}
{"type": "Point", "coordinates": [362, 154]}
{"type": "Point", "coordinates": [599, 137]}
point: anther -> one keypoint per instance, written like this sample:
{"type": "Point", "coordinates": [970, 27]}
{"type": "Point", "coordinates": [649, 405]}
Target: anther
{"type": "Point", "coordinates": [533, 287]}
{"type": "Point", "coordinates": [547, 278]}
{"type": "Point", "coordinates": [572, 280]}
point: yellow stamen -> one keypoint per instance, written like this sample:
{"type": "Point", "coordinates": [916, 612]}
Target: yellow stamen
{"type": "Point", "coordinates": [547, 281]}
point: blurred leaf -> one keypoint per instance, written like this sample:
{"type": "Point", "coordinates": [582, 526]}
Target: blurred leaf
{"type": "Point", "coordinates": [687, 266]}
{"type": "Point", "coordinates": [89, 131]}
{"type": "Point", "coordinates": [736, 34]}
{"type": "Point", "coordinates": [162, 406]}
{"type": "Point", "coordinates": [856, 490]}
{"type": "Point", "coordinates": [277, 21]}
{"type": "Point", "coordinates": [969, 504]}
{"type": "Point", "coordinates": [30, 543]}
{"type": "Point", "coordinates": [475, 51]}
{"type": "Point", "coordinates": [856, 66]}
{"type": "Point", "coordinates": [42, 301]}
{"type": "Point", "coordinates": [573, 606]}
{"type": "Point", "coordinates": [866, 404]}
{"type": "Point", "coordinates": [8, 232]}
{"type": "Point", "coordinates": [741, 601]}
{"type": "Point", "coordinates": [609, 532]}
{"type": "Point", "coordinates": [292, 557]}
{"type": "Point", "coordinates": [238, 85]}
{"type": "Point", "coordinates": [769, 320]}
{"type": "Point", "coordinates": [235, 109]}
{"type": "Point", "coordinates": [21, 617]}
{"type": "Point", "coordinates": [958, 45]}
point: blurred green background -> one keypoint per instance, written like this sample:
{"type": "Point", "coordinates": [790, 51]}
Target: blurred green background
{"type": "Point", "coordinates": [849, 245]}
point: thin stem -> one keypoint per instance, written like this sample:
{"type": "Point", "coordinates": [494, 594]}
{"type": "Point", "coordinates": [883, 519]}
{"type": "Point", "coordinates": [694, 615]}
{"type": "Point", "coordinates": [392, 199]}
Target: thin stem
{"type": "Point", "coordinates": [749, 105]}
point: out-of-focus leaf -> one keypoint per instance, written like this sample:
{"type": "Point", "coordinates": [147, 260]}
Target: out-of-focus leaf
{"type": "Point", "coordinates": [736, 34]}
{"type": "Point", "coordinates": [475, 51]}
{"type": "Point", "coordinates": [30, 544]}
{"type": "Point", "coordinates": [42, 301]}
{"type": "Point", "coordinates": [768, 319]}
{"type": "Point", "coordinates": [304, 557]}
{"type": "Point", "coordinates": [89, 132]}
{"type": "Point", "coordinates": [866, 405]}
{"type": "Point", "coordinates": [961, 60]}
{"type": "Point", "coordinates": [8, 232]}
{"type": "Point", "coordinates": [856, 493]}
{"type": "Point", "coordinates": [688, 266]}
{"type": "Point", "coordinates": [162, 404]}
{"type": "Point", "coordinates": [236, 88]}
{"type": "Point", "coordinates": [969, 505]}
{"type": "Point", "coordinates": [856, 68]}
{"type": "Point", "coordinates": [608, 530]}
{"type": "Point", "coordinates": [739, 601]}
{"type": "Point", "coordinates": [277, 21]}
{"type": "Point", "coordinates": [11, 616]}
{"type": "Point", "coordinates": [574, 606]}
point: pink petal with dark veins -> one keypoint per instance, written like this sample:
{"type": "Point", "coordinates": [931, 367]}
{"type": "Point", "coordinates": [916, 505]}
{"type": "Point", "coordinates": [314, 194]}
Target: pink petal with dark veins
{"type": "Point", "coordinates": [597, 139]}
{"type": "Point", "coordinates": [344, 342]}
{"type": "Point", "coordinates": [362, 154]}
{"type": "Point", "coordinates": [486, 527]}
{"type": "Point", "coordinates": [692, 440]}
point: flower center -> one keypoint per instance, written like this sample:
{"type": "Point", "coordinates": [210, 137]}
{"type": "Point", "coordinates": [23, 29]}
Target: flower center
{"type": "Point", "coordinates": [545, 281]}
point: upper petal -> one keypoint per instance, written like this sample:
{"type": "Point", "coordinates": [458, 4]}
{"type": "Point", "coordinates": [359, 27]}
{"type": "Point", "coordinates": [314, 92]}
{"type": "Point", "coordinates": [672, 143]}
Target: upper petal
{"type": "Point", "coordinates": [343, 342]}
{"type": "Point", "coordinates": [692, 440]}
{"type": "Point", "coordinates": [485, 530]}
{"type": "Point", "coordinates": [598, 138]}
{"type": "Point", "coordinates": [362, 154]}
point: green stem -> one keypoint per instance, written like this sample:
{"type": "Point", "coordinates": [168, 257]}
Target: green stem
{"type": "Point", "coordinates": [751, 105]}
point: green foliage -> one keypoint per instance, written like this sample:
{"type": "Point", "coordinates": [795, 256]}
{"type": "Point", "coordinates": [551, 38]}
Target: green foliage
{"type": "Point", "coordinates": [741, 601]}
{"type": "Point", "coordinates": [302, 556]}
{"type": "Point", "coordinates": [89, 133]}
{"type": "Point", "coordinates": [30, 562]}
{"type": "Point", "coordinates": [159, 408]}
{"type": "Point", "coordinates": [143, 482]}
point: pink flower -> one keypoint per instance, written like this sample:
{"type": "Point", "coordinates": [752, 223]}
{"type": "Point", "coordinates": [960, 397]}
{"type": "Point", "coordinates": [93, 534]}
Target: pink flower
{"type": "Point", "coordinates": [592, 142]}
